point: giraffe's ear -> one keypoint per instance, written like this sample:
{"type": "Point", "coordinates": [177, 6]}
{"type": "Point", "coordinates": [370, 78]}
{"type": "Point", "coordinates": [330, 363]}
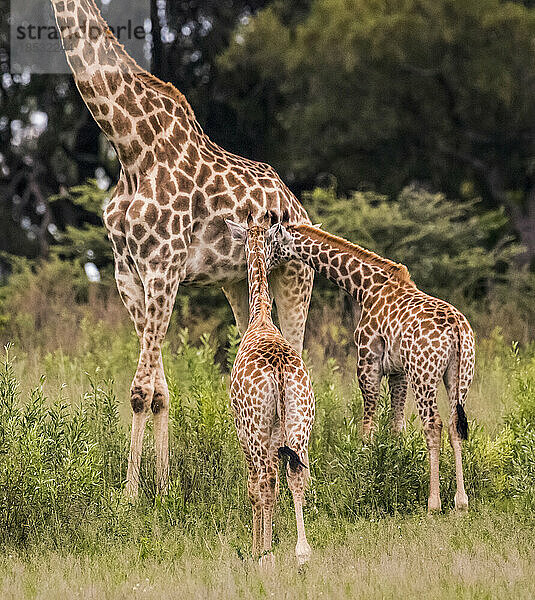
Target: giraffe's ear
{"type": "Point", "coordinates": [237, 231]}
{"type": "Point", "coordinates": [318, 225]}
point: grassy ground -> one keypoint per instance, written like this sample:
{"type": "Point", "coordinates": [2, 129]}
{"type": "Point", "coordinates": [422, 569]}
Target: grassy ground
{"type": "Point", "coordinates": [487, 554]}
{"type": "Point", "coordinates": [68, 532]}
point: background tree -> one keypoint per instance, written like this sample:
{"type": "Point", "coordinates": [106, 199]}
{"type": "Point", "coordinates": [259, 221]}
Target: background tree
{"type": "Point", "coordinates": [381, 94]}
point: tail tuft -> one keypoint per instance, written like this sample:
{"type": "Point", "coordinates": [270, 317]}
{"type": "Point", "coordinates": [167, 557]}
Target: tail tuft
{"type": "Point", "coordinates": [462, 422]}
{"type": "Point", "coordinates": [293, 458]}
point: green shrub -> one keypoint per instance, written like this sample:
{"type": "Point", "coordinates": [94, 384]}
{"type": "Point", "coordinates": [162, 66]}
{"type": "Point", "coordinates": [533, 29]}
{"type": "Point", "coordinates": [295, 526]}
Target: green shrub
{"type": "Point", "coordinates": [63, 461]}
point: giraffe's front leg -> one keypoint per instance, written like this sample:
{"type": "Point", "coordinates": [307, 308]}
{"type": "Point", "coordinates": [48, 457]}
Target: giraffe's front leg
{"type": "Point", "coordinates": [160, 411]}
{"type": "Point", "coordinates": [292, 288]}
{"type": "Point", "coordinates": [237, 294]}
{"type": "Point", "coordinates": [149, 390]}
{"type": "Point", "coordinates": [159, 255]}
{"type": "Point", "coordinates": [369, 374]}
{"type": "Point", "coordinates": [398, 395]}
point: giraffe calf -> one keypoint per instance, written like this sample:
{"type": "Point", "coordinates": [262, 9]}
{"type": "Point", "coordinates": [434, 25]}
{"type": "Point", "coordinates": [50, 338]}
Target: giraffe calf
{"type": "Point", "coordinates": [403, 334]}
{"type": "Point", "coordinates": [273, 404]}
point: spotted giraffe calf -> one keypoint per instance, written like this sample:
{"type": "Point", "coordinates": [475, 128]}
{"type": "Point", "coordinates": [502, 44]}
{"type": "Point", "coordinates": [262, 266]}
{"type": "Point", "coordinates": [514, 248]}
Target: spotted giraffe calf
{"type": "Point", "coordinates": [273, 404]}
{"type": "Point", "coordinates": [403, 333]}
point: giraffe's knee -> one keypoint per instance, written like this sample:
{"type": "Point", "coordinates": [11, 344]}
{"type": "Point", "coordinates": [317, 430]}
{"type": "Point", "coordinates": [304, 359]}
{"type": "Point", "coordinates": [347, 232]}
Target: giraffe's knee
{"type": "Point", "coordinates": [433, 431]}
{"type": "Point", "coordinates": [159, 402]}
{"type": "Point", "coordinates": [139, 399]}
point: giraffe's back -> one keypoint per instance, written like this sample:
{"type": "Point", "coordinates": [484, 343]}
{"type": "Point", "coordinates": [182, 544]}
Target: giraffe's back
{"type": "Point", "coordinates": [417, 327]}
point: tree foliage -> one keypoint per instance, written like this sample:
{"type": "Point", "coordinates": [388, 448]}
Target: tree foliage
{"type": "Point", "coordinates": [451, 250]}
{"type": "Point", "coordinates": [382, 94]}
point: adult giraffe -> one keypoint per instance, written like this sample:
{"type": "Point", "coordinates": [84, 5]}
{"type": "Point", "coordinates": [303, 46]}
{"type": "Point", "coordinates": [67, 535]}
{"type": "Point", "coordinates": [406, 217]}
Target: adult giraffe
{"type": "Point", "coordinates": [166, 219]}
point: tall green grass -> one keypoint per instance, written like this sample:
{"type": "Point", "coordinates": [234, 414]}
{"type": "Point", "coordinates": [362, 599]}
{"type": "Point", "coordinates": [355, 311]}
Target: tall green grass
{"type": "Point", "coordinates": [63, 459]}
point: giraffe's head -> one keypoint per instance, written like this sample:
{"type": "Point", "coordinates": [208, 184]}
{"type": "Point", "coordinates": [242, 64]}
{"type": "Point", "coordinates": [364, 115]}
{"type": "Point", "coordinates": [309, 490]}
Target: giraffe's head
{"type": "Point", "coordinates": [256, 235]}
{"type": "Point", "coordinates": [280, 243]}
{"type": "Point", "coordinates": [280, 246]}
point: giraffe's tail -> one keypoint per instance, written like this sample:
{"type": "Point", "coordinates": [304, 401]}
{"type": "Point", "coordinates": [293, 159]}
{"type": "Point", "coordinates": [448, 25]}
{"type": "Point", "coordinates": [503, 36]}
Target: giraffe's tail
{"type": "Point", "coordinates": [293, 458]}
{"type": "Point", "coordinates": [294, 461]}
{"type": "Point", "coordinates": [462, 421]}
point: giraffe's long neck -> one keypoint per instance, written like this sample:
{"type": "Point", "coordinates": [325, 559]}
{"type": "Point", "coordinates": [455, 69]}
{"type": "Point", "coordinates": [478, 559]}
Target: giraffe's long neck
{"type": "Point", "coordinates": [87, 40]}
{"type": "Point", "coordinates": [133, 108]}
{"type": "Point", "coordinates": [259, 299]}
{"type": "Point", "coordinates": [358, 271]}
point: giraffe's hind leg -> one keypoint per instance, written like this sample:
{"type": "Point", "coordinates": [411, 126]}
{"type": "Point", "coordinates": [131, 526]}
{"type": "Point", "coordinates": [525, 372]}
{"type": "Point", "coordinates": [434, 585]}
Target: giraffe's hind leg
{"type": "Point", "coordinates": [426, 401]}
{"type": "Point", "coordinates": [297, 480]}
{"type": "Point", "coordinates": [292, 288]}
{"type": "Point", "coordinates": [268, 486]}
{"type": "Point", "coordinates": [398, 395]}
{"type": "Point", "coordinates": [237, 294]}
{"type": "Point", "coordinates": [299, 416]}
{"type": "Point", "coordinates": [256, 504]}
{"type": "Point", "coordinates": [450, 381]}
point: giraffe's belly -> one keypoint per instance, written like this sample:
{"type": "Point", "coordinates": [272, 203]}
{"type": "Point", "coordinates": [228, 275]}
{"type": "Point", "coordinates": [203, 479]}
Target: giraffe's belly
{"type": "Point", "coordinates": [207, 265]}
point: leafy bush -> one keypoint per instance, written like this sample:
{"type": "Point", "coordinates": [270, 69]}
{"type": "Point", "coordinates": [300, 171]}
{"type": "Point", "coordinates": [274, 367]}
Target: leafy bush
{"type": "Point", "coordinates": [62, 463]}
{"type": "Point", "coordinates": [447, 245]}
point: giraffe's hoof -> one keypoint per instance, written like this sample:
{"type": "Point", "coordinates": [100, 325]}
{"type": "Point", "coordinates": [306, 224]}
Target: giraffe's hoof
{"type": "Point", "coordinates": [434, 505]}
{"type": "Point", "coordinates": [461, 502]}
{"type": "Point", "coordinates": [267, 561]}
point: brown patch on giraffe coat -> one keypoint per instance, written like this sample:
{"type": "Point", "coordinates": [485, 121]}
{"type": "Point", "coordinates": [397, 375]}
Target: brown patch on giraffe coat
{"type": "Point", "coordinates": [198, 206]}
{"type": "Point", "coordinates": [203, 176]}
{"type": "Point", "coordinates": [179, 136]}
{"type": "Point", "coordinates": [113, 81]}
{"type": "Point", "coordinates": [186, 184]}
{"type": "Point", "coordinates": [221, 201]}
{"type": "Point", "coordinates": [134, 210]}
{"type": "Point", "coordinates": [138, 231]}
{"type": "Point", "coordinates": [176, 225]}
{"type": "Point", "coordinates": [187, 167]}
{"type": "Point", "coordinates": [147, 162]}
{"type": "Point", "coordinates": [217, 186]}
{"type": "Point", "coordinates": [129, 103]}
{"type": "Point", "coordinates": [145, 132]}
{"type": "Point", "coordinates": [151, 215]}
{"type": "Point", "coordinates": [165, 119]}
{"type": "Point", "coordinates": [181, 203]}
{"type": "Point", "coordinates": [163, 222]}
{"type": "Point", "coordinates": [178, 244]}
{"type": "Point", "coordinates": [148, 246]}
